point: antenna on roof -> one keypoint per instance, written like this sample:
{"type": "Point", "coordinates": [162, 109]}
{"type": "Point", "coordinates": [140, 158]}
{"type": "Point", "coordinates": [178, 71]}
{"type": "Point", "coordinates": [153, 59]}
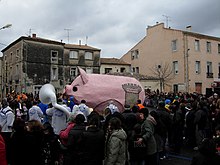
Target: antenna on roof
{"type": "Point", "coordinates": [86, 39]}
{"type": "Point", "coordinates": [29, 32]}
{"type": "Point", "coordinates": [167, 20]}
{"type": "Point", "coordinates": [68, 34]}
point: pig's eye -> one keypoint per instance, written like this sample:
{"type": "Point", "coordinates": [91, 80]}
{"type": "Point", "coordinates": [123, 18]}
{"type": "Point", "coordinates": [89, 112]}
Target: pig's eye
{"type": "Point", "coordinates": [75, 89]}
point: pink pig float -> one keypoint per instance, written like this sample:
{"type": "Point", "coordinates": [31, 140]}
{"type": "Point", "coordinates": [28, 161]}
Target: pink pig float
{"type": "Point", "coordinates": [99, 89]}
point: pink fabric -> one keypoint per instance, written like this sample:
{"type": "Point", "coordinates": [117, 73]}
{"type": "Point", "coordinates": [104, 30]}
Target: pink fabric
{"type": "Point", "coordinates": [3, 160]}
{"type": "Point", "coordinates": [64, 133]}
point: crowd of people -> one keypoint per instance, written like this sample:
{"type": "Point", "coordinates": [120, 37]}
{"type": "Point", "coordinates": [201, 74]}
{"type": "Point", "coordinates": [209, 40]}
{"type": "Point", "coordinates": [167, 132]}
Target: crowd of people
{"type": "Point", "coordinates": [34, 133]}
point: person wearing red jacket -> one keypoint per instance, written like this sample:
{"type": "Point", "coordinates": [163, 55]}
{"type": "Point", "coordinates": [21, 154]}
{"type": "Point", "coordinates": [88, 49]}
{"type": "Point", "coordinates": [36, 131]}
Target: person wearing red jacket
{"type": "Point", "coordinates": [3, 160]}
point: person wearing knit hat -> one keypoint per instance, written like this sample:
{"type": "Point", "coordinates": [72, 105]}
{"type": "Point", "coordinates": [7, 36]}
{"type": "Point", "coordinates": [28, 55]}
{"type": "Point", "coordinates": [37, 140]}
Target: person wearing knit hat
{"type": "Point", "coordinates": [167, 105]}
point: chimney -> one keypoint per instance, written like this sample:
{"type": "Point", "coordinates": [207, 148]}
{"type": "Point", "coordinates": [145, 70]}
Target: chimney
{"type": "Point", "coordinates": [34, 35]}
{"type": "Point", "coordinates": [189, 28]}
{"type": "Point", "coordinates": [79, 42]}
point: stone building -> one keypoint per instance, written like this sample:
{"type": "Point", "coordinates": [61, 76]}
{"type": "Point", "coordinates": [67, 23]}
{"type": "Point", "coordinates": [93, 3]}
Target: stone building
{"type": "Point", "coordinates": [30, 62]}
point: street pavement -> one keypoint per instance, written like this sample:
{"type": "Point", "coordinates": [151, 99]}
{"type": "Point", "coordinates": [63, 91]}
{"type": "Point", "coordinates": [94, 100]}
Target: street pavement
{"type": "Point", "coordinates": [182, 158]}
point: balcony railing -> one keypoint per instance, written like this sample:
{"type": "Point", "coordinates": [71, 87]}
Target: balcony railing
{"type": "Point", "coordinates": [209, 75]}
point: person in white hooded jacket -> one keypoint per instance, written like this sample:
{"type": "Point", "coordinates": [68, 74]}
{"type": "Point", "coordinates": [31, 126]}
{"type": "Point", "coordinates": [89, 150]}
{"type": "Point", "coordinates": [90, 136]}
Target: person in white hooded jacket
{"type": "Point", "coordinates": [7, 117]}
{"type": "Point", "coordinates": [59, 117]}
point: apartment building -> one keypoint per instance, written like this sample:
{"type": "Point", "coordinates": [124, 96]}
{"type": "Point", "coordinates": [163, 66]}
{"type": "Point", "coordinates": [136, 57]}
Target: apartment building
{"type": "Point", "coordinates": [183, 61]}
{"type": "Point", "coordinates": [30, 62]}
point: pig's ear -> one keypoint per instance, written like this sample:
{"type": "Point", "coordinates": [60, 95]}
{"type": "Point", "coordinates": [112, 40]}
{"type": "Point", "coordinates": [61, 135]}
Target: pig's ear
{"type": "Point", "coordinates": [83, 75]}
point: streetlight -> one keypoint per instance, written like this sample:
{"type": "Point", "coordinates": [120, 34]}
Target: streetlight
{"type": "Point", "coordinates": [6, 26]}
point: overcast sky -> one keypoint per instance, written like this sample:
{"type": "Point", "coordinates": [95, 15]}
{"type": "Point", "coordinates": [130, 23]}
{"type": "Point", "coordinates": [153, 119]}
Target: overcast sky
{"type": "Point", "coordinates": [114, 26]}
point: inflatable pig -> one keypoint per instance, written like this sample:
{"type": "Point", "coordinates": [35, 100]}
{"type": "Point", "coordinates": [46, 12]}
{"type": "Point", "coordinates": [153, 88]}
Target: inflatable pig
{"type": "Point", "coordinates": [99, 89]}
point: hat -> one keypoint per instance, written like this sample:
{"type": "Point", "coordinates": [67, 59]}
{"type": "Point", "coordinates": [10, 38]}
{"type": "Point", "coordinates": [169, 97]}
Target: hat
{"type": "Point", "coordinates": [167, 101]}
{"type": "Point", "coordinates": [127, 107]}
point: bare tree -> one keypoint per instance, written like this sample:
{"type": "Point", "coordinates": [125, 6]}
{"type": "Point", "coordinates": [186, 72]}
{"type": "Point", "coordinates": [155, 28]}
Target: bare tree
{"type": "Point", "coordinates": [164, 73]}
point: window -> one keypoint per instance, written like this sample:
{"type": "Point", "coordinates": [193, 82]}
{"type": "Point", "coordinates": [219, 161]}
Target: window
{"type": "Point", "coordinates": [73, 71]}
{"type": "Point", "coordinates": [137, 69]}
{"type": "Point", "coordinates": [122, 70]}
{"type": "Point", "coordinates": [197, 45]}
{"type": "Point", "coordinates": [218, 48]}
{"type": "Point", "coordinates": [54, 73]}
{"type": "Point", "coordinates": [174, 45]}
{"type": "Point", "coordinates": [54, 56]}
{"type": "Point", "coordinates": [175, 67]}
{"type": "Point", "coordinates": [17, 53]}
{"type": "Point", "coordinates": [108, 70]}
{"type": "Point", "coordinates": [73, 54]}
{"type": "Point", "coordinates": [88, 55]}
{"type": "Point", "coordinates": [218, 70]}
{"type": "Point", "coordinates": [198, 67]}
{"type": "Point", "coordinates": [133, 69]}
{"type": "Point", "coordinates": [134, 54]}
{"type": "Point", "coordinates": [88, 70]}
{"type": "Point", "coordinates": [208, 47]}
{"type": "Point", "coordinates": [209, 70]}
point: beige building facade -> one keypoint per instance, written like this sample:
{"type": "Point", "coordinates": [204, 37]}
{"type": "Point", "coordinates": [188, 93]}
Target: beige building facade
{"type": "Point", "coordinates": [114, 65]}
{"type": "Point", "coordinates": [184, 61]}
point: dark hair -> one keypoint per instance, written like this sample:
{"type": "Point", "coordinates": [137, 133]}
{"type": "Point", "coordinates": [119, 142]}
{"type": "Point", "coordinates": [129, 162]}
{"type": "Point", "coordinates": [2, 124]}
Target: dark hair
{"type": "Point", "coordinates": [139, 101]}
{"type": "Point", "coordinates": [83, 101]}
{"type": "Point", "coordinates": [94, 119]}
{"type": "Point", "coordinates": [135, 109]}
{"type": "Point", "coordinates": [80, 118]}
{"type": "Point", "coordinates": [35, 126]}
{"type": "Point", "coordinates": [115, 123]}
{"type": "Point", "coordinates": [161, 103]}
{"type": "Point", "coordinates": [19, 125]}
{"type": "Point", "coordinates": [145, 111]}
{"type": "Point", "coordinates": [4, 103]}
{"type": "Point", "coordinates": [47, 126]}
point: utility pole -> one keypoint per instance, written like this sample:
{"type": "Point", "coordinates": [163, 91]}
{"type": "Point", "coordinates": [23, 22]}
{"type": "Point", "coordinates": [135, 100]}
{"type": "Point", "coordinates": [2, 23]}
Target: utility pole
{"type": "Point", "coordinates": [167, 20]}
{"type": "Point", "coordinates": [68, 34]}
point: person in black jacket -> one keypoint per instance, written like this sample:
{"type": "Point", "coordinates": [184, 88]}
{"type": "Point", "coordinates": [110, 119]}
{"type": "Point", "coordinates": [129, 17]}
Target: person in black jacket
{"type": "Point", "coordinates": [207, 153]}
{"type": "Point", "coordinates": [75, 142]}
{"type": "Point", "coordinates": [130, 119]}
{"type": "Point", "coordinates": [18, 141]}
{"type": "Point", "coordinates": [136, 151]}
{"type": "Point", "coordinates": [51, 147]}
{"type": "Point", "coordinates": [93, 142]}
